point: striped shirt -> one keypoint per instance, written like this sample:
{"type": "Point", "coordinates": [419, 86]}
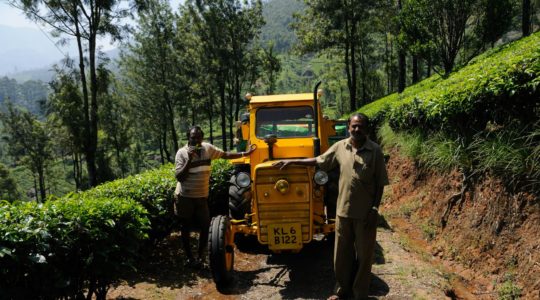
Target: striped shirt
{"type": "Point", "coordinates": [197, 182]}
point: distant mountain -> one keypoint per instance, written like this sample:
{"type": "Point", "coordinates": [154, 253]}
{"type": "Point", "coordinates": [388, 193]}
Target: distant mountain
{"type": "Point", "coordinates": [278, 14]}
{"type": "Point", "coordinates": [46, 74]}
{"type": "Point", "coordinates": [28, 54]}
{"type": "Point", "coordinates": [26, 48]}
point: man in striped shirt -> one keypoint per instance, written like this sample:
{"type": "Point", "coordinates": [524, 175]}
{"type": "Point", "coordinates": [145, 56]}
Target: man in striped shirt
{"type": "Point", "coordinates": [192, 171]}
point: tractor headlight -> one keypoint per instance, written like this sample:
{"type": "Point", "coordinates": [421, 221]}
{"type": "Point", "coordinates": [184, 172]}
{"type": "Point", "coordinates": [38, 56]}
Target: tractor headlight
{"type": "Point", "coordinates": [243, 180]}
{"type": "Point", "coordinates": [320, 177]}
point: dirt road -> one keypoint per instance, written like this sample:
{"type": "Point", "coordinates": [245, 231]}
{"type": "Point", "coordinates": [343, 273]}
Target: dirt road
{"type": "Point", "coordinates": [397, 274]}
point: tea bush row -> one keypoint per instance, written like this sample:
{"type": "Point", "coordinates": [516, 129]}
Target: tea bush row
{"type": "Point", "coordinates": [81, 243]}
{"type": "Point", "coordinates": [501, 84]}
{"type": "Point", "coordinates": [68, 247]}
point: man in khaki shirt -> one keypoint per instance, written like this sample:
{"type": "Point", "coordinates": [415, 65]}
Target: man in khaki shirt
{"type": "Point", "coordinates": [362, 179]}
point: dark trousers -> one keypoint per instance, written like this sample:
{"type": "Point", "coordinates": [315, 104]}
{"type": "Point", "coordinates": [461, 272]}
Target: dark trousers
{"type": "Point", "coordinates": [193, 214]}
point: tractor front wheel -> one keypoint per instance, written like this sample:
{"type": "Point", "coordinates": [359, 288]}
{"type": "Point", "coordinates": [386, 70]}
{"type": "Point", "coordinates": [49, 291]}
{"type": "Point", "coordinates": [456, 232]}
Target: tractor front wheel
{"type": "Point", "coordinates": [221, 248]}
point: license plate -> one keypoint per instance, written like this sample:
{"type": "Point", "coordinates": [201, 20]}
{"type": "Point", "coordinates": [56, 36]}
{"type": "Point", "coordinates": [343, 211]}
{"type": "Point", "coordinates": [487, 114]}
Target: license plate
{"type": "Point", "coordinates": [285, 236]}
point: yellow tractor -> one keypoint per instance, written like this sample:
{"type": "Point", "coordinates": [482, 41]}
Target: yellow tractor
{"type": "Point", "coordinates": [286, 208]}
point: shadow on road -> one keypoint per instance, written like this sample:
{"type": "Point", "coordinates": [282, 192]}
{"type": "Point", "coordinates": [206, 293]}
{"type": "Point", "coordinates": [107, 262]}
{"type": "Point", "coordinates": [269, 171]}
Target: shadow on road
{"type": "Point", "coordinates": [164, 266]}
{"type": "Point", "coordinates": [310, 272]}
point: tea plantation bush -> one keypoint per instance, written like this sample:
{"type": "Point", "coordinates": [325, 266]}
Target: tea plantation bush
{"type": "Point", "coordinates": [152, 189]}
{"type": "Point", "coordinates": [499, 85]}
{"type": "Point", "coordinates": [483, 117]}
{"type": "Point", "coordinates": [81, 243]}
{"type": "Point", "coordinates": [67, 247]}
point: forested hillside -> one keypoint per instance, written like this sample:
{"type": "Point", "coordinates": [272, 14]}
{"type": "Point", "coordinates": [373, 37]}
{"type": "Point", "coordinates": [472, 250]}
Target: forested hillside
{"type": "Point", "coordinates": [188, 66]}
{"type": "Point", "coordinates": [31, 95]}
{"type": "Point", "coordinates": [278, 16]}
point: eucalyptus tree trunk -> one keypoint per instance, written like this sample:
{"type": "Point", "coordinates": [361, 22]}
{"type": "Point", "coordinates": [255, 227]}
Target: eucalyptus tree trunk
{"type": "Point", "coordinates": [415, 69]}
{"type": "Point", "coordinates": [402, 63]}
{"type": "Point", "coordinates": [526, 17]}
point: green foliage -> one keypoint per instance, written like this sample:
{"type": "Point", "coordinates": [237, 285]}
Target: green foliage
{"type": "Point", "coordinates": [508, 290]}
{"type": "Point", "coordinates": [155, 66]}
{"type": "Point", "coordinates": [218, 198]}
{"type": "Point", "coordinates": [483, 117]}
{"type": "Point", "coordinates": [29, 143]}
{"type": "Point", "coordinates": [410, 143]}
{"type": "Point", "coordinates": [444, 153]}
{"type": "Point", "coordinates": [221, 169]}
{"type": "Point", "coordinates": [82, 242]}
{"type": "Point", "coordinates": [437, 26]}
{"type": "Point", "coordinates": [506, 152]}
{"type": "Point", "coordinates": [346, 30]}
{"type": "Point", "coordinates": [153, 189]}
{"type": "Point", "coordinates": [30, 94]}
{"type": "Point", "coordinates": [495, 19]}
{"type": "Point", "coordinates": [532, 142]}
{"type": "Point", "coordinates": [499, 84]}
{"type": "Point", "coordinates": [8, 186]}
{"type": "Point", "coordinates": [429, 230]}
{"type": "Point", "coordinates": [68, 247]}
{"type": "Point", "coordinates": [501, 151]}
{"type": "Point", "coordinates": [278, 15]}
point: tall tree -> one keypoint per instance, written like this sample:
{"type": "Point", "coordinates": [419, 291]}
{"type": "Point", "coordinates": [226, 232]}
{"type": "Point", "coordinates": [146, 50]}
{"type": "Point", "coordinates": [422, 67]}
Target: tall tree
{"type": "Point", "coordinates": [335, 24]}
{"type": "Point", "coordinates": [402, 62]}
{"type": "Point", "coordinates": [526, 17]}
{"type": "Point", "coordinates": [29, 143]}
{"type": "Point", "coordinates": [64, 111]}
{"type": "Point", "coordinates": [115, 126]}
{"type": "Point", "coordinates": [440, 25]}
{"type": "Point", "coordinates": [270, 68]}
{"type": "Point", "coordinates": [226, 28]}
{"type": "Point", "coordinates": [152, 65]}
{"type": "Point", "coordinates": [85, 21]}
{"type": "Point", "coordinates": [494, 20]}
{"type": "Point", "coordinates": [8, 187]}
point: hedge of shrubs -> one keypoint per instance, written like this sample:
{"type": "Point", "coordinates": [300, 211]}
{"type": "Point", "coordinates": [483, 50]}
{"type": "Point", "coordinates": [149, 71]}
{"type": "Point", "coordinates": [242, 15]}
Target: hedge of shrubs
{"type": "Point", "coordinates": [76, 246]}
{"type": "Point", "coordinates": [482, 118]}
{"type": "Point", "coordinates": [153, 189]}
{"type": "Point", "coordinates": [499, 84]}
{"type": "Point", "coordinates": [67, 247]}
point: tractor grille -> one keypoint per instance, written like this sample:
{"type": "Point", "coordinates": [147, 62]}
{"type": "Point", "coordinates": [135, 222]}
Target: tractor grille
{"type": "Point", "coordinates": [274, 207]}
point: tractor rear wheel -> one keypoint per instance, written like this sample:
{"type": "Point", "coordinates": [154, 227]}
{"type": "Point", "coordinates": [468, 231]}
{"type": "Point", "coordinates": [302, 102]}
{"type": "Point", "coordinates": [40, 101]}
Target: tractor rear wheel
{"type": "Point", "coordinates": [221, 248]}
{"type": "Point", "coordinates": [238, 205]}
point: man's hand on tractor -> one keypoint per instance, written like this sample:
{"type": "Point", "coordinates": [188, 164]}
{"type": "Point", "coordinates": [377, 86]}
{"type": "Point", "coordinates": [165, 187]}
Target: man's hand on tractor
{"type": "Point", "coordinates": [252, 148]}
{"type": "Point", "coordinates": [281, 164]}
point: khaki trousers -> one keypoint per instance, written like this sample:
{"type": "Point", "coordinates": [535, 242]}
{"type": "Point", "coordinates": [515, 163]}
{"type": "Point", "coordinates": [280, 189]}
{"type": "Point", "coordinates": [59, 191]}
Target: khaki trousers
{"type": "Point", "coordinates": [353, 255]}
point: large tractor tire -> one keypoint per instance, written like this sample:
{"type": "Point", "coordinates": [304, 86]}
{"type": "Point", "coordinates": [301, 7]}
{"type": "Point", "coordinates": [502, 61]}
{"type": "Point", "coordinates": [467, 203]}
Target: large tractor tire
{"type": "Point", "coordinates": [221, 251]}
{"type": "Point", "coordinates": [238, 205]}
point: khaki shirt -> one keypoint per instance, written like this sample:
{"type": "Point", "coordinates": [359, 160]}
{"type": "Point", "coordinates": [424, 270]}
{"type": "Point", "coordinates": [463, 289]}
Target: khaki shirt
{"type": "Point", "coordinates": [362, 172]}
{"type": "Point", "coordinates": [197, 182]}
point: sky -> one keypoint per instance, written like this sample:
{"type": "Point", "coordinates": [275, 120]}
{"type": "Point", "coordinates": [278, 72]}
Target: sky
{"type": "Point", "coordinates": [13, 17]}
